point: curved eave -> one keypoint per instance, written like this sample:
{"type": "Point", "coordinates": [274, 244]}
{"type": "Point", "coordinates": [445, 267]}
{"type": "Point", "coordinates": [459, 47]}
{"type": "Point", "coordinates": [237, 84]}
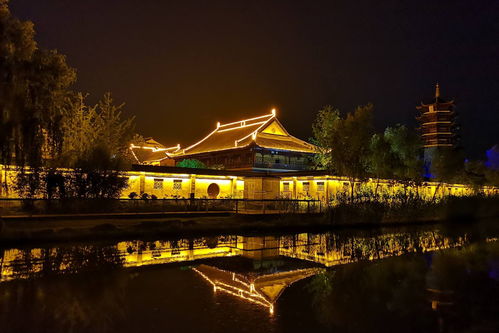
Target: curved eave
{"type": "Point", "coordinates": [425, 105]}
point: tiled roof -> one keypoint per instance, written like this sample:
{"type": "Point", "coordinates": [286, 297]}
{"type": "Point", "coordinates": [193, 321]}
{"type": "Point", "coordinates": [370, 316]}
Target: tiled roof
{"type": "Point", "coordinates": [220, 140]}
{"type": "Point", "coordinates": [284, 143]}
{"type": "Point", "coordinates": [243, 133]}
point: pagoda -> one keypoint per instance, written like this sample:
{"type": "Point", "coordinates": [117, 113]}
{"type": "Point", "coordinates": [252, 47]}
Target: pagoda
{"type": "Point", "coordinates": [437, 119]}
{"type": "Point", "coordinates": [437, 124]}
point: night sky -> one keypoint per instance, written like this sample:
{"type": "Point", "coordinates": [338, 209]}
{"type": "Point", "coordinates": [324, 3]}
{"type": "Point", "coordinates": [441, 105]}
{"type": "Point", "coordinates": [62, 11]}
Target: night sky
{"type": "Point", "coordinates": [181, 66]}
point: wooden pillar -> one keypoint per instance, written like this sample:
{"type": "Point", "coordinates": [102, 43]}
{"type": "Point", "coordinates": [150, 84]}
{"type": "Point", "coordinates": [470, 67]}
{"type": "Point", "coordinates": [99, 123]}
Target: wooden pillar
{"type": "Point", "coordinates": [233, 187]}
{"type": "Point", "coordinates": [193, 187]}
{"type": "Point", "coordinates": [295, 184]}
{"type": "Point", "coordinates": [326, 183]}
{"type": "Point", "coordinates": [142, 183]}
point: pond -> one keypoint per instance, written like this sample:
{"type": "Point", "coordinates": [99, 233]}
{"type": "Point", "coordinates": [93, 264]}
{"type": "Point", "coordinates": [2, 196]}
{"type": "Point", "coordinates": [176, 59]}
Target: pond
{"type": "Point", "coordinates": [417, 279]}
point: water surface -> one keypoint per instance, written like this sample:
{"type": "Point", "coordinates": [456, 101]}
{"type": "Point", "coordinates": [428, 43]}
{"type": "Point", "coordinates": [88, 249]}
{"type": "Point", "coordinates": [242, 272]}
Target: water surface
{"type": "Point", "coordinates": [419, 279]}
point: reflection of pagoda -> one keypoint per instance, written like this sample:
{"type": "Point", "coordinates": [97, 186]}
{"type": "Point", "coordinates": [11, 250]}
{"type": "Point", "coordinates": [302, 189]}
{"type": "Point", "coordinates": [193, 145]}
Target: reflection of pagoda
{"type": "Point", "coordinates": [263, 289]}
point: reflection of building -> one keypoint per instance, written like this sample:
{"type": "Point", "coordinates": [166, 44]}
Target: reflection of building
{"type": "Point", "coordinates": [254, 269]}
{"type": "Point", "coordinates": [326, 249]}
{"type": "Point", "coordinates": [262, 289]}
{"type": "Point", "coordinates": [259, 143]}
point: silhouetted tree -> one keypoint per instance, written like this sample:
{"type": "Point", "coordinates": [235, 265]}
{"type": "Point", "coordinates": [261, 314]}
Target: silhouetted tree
{"type": "Point", "coordinates": [33, 87]}
{"type": "Point", "coordinates": [382, 160]}
{"type": "Point", "coordinates": [407, 148]}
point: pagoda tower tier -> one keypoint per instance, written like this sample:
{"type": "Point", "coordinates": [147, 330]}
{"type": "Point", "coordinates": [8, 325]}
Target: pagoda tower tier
{"type": "Point", "coordinates": [438, 122]}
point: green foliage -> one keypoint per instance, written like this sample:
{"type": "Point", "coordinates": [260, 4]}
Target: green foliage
{"type": "Point", "coordinates": [344, 142]}
{"type": "Point", "coordinates": [492, 177]}
{"type": "Point", "coordinates": [406, 148]}
{"type": "Point", "coordinates": [448, 165]}
{"type": "Point", "coordinates": [348, 147]}
{"type": "Point", "coordinates": [382, 160]}
{"type": "Point", "coordinates": [350, 143]}
{"type": "Point", "coordinates": [323, 129]}
{"type": "Point", "coordinates": [477, 174]}
{"type": "Point", "coordinates": [191, 163]}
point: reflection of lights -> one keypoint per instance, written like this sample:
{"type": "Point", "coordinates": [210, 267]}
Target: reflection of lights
{"type": "Point", "coordinates": [253, 296]}
{"type": "Point", "coordinates": [155, 149]}
{"type": "Point", "coordinates": [17, 266]}
{"type": "Point", "coordinates": [249, 292]}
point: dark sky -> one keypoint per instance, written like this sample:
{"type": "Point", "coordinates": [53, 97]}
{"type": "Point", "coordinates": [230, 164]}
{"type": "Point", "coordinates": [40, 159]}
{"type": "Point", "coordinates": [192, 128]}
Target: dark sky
{"type": "Point", "coordinates": [181, 66]}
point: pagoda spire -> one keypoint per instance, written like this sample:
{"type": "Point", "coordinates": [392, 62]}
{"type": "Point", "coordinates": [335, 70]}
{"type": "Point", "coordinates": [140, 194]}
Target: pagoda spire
{"type": "Point", "coordinates": [437, 91]}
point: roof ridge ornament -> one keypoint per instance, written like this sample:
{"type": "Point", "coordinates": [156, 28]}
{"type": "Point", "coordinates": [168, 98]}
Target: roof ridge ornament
{"type": "Point", "coordinates": [437, 91]}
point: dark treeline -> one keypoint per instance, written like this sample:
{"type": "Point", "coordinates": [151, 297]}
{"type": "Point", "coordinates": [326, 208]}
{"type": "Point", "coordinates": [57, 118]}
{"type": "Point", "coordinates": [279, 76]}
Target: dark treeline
{"type": "Point", "coordinates": [46, 126]}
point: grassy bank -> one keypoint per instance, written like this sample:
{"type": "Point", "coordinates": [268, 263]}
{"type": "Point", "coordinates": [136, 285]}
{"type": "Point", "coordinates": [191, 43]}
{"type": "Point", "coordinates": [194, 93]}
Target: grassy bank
{"type": "Point", "coordinates": [118, 228]}
{"type": "Point", "coordinates": [454, 210]}
{"type": "Point", "coordinates": [450, 210]}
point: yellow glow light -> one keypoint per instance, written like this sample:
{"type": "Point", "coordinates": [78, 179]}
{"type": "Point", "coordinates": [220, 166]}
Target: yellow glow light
{"type": "Point", "coordinates": [246, 120]}
{"type": "Point", "coordinates": [263, 120]}
{"type": "Point", "coordinates": [253, 297]}
{"type": "Point", "coordinates": [241, 126]}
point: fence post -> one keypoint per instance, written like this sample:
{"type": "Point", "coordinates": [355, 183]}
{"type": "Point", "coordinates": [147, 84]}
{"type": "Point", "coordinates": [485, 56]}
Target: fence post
{"type": "Point", "coordinates": [308, 206]}
{"type": "Point", "coordinates": [237, 202]}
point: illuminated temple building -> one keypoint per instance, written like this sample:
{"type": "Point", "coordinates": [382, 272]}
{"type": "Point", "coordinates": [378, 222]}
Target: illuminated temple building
{"type": "Point", "coordinates": [256, 144]}
{"type": "Point", "coordinates": [259, 143]}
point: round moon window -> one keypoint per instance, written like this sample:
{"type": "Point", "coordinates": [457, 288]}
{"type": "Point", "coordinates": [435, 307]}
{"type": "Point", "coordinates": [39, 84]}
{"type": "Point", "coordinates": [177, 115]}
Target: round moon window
{"type": "Point", "coordinates": [213, 191]}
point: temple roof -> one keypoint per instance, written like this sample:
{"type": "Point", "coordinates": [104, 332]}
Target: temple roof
{"type": "Point", "coordinates": [264, 131]}
{"type": "Point", "coordinates": [151, 151]}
